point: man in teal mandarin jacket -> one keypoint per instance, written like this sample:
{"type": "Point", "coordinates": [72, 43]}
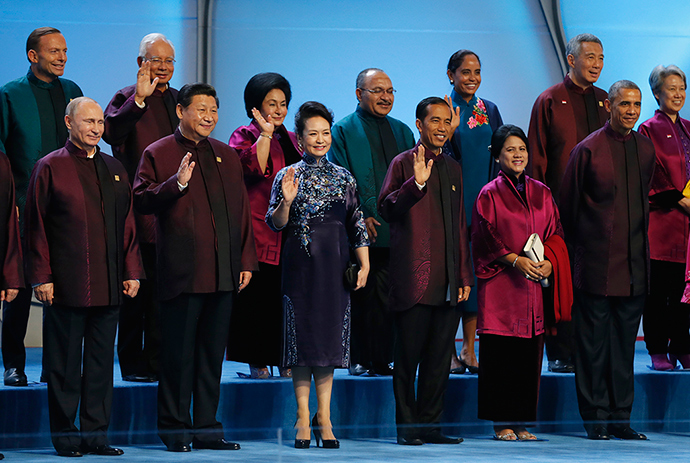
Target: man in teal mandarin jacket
{"type": "Point", "coordinates": [365, 142]}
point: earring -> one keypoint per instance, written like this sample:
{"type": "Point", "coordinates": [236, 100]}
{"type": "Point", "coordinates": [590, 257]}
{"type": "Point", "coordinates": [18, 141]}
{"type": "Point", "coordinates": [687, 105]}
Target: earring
{"type": "Point", "coordinates": [299, 145]}
{"type": "Point", "coordinates": [452, 83]}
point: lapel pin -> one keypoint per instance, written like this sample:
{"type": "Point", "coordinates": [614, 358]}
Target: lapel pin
{"type": "Point", "coordinates": [117, 178]}
{"type": "Point", "coordinates": [218, 159]}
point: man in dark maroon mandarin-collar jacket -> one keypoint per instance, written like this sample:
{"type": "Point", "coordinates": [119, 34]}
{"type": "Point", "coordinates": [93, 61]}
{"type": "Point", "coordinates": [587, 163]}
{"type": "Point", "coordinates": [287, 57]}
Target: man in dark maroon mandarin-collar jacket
{"type": "Point", "coordinates": [206, 254]}
{"type": "Point", "coordinates": [430, 271]}
{"type": "Point", "coordinates": [562, 116]}
{"type": "Point", "coordinates": [137, 116]}
{"type": "Point", "coordinates": [605, 216]}
{"type": "Point", "coordinates": [82, 259]}
{"type": "Point", "coordinates": [11, 263]}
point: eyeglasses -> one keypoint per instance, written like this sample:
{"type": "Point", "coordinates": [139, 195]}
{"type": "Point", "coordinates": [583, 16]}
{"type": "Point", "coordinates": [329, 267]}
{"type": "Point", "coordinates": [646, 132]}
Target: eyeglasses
{"type": "Point", "coordinates": [379, 91]}
{"type": "Point", "coordinates": [156, 61]}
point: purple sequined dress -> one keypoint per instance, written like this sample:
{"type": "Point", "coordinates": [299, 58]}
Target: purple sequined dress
{"type": "Point", "coordinates": [325, 222]}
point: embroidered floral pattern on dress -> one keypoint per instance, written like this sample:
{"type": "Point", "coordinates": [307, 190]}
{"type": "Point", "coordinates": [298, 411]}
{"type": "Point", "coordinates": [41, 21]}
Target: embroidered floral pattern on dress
{"type": "Point", "coordinates": [345, 344]}
{"type": "Point", "coordinates": [290, 355]}
{"type": "Point", "coordinates": [320, 184]}
{"type": "Point", "coordinates": [479, 116]}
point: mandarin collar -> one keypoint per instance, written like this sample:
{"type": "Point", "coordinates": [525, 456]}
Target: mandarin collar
{"type": "Point", "coordinates": [616, 135]}
{"type": "Point", "coordinates": [366, 115]}
{"type": "Point", "coordinates": [460, 101]}
{"type": "Point", "coordinates": [513, 179]}
{"type": "Point", "coordinates": [187, 143]}
{"type": "Point", "coordinates": [570, 85]}
{"type": "Point", "coordinates": [312, 161]}
{"type": "Point", "coordinates": [38, 82]}
{"type": "Point", "coordinates": [76, 151]}
{"type": "Point", "coordinates": [428, 154]}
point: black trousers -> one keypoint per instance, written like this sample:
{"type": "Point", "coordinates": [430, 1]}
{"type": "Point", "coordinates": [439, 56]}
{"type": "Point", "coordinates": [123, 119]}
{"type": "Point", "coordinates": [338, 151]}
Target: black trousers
{"type": "Point", "coordinates": [138, 338]}
{"type": "Point", "coordinates": [561, 346]}
{"type": "Point", "coordinates": [75, 382]}
{"type": "Point", "coordinates": [372, 323]}
{"type": "Point", "coordinates": [606, 330]}
{"type": "Point", "coordinates": [14, 324]}
{"type": "Point", "coordinates": [423, 334]}
{"type": "Point", "coordinates": [194, 329]}
{"type": "Point", "coordinates": [508, 389]}
{"type": "Point", "coordinates": [666, 320]}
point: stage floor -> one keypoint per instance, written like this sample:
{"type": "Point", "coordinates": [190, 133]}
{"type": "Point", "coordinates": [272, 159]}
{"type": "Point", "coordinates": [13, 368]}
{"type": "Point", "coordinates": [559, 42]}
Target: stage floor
{"type": "Point", "coordinates": [553, 448]}
{"type": "Point", "coordinates": [260, 415]}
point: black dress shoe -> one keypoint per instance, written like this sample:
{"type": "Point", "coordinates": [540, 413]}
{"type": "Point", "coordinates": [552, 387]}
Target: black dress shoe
{"type": "Point", "coordinates": [71, 451]}
{"type": "Point", "coordinates": [598, 432]}
{"type": "Point", "coordinates": [179, 447]}
{"type": "Point", "coordinates": [14, 377]}
{"type": "Point", "coordinates": [218, 444]}
{"type": "Point", "coordinates": [103, 449]}
{"type": "Point", "coordinates": [140, 378]}
{"type": "Point", "coordinates": [2, 457]}
{"type": "Point", "coordinates": [381, 369]}
{"type": "Point", "coordinates": [561, 366]}
{"type": "Point", "coordinates": [438, 438]}
{"type": "Point", "coordinates": [627, 433]}
{"type": "Point", "coordinates": [410, 441]}
{"type": "Point", "coordinates": [357, 369]}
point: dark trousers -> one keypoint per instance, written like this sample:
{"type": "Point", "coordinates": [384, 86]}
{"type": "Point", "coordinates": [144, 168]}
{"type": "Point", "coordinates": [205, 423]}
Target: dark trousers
{"type": "Point", "coordinates": [561, 346]}
{"type": "Point", "coordinates": [372, 322]}
{"type": "Point", "coordinates": [138, 338]}
{"type": "Point", "coordinates": [15, 321]}
{"type": "Point", "coordinates": [666, 320]}
{"type": "Point", "coordinates": [75, 383]}
{"type": "Point", "coordinates": [194, 329]}
{"type": "Point", "coordinates": [606, 330]}
{"type": "Point", "coordinates": [423, 334]}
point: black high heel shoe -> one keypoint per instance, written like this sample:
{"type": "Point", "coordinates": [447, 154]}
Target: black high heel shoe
{"type": "Point", "coordinates": [302, 443]}
{"type": "Point", "coordinates": [327, 443]}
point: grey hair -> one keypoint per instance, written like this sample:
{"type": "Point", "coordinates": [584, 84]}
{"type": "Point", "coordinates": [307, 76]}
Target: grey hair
{"type": "Point", "coordinates": [75, 103]}
{"type": "Point", "coordinates": [363, 75]}
{"type": "Point", "coordinates": [150, 39]}
{"type": "Point", "coordinates": [619, 85]}
{"type": "Point", "coordinates": [660, 73]}
{"type": "Point", "coordinates": [575, 44]}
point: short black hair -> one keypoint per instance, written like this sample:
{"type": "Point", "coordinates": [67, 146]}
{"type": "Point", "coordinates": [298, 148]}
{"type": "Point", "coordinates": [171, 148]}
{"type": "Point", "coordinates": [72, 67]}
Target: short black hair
{"type": "Point", "coordinates": [458, 57]}
{"type": "Point", "coordinates": [189, 91]}
{"type": "Point", "coordinates": [617, 86]}
{"type": "Point", "coordinates": [500, 136]}
{"type": "Point", "coordinates": [422, 107]}
{"type": "Point", "coordinates": [258, 87]}
{"type": "Point", "coordinates": [307, 111]}
{"type": "Point", "coordinates": [35, 37]}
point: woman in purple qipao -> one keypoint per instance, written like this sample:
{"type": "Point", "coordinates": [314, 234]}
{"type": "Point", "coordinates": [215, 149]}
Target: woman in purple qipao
{"type": "Point", "coordinates": [315, 202]}
{"type": "Point", "coordinates": [510, 321]}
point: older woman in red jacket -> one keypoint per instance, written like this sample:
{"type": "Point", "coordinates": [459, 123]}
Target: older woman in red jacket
{"type": "Point", "coordinates": [511, 322]}
{"type": "Point", "coordinates": [666, 320]}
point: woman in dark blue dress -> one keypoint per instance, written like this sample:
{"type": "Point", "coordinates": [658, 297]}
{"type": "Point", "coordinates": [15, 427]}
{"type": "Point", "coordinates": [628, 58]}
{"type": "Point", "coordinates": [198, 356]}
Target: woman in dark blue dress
{"type": "Point", "coordinates": [315, 203]}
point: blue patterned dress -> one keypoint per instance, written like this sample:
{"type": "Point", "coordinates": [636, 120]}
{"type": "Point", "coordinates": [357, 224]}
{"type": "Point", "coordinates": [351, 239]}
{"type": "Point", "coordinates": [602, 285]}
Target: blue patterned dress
{"type": "Point", "coordinates": [325, 222]}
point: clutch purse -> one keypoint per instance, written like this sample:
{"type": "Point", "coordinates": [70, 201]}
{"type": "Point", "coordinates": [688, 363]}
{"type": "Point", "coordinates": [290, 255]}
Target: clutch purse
{"type": "Point", "coordinates": [350, 276]}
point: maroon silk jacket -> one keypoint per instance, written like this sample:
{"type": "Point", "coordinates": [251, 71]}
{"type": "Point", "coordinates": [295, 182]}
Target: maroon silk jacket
{"type": "Point", "coordinates": [407, 208]}
{"type": "Point", "coordinates": [586, 207]}
{"type": "Point", "coordinates": [557, 124]}
{"type": "Point", "coordinates": [668, 228]}
{"type": "Point", "coordinates": [129, 129]}
{"type": "Point", "coordinates": [268, 242]}
{"type": "Point", "coordinates": [509, 304]}
{"type": "Point", "coordinates": [12, 276]}
{"type": "Point", "coordinates": [156, 192]}
{"type": "Point", "coordinates": [57, 231]}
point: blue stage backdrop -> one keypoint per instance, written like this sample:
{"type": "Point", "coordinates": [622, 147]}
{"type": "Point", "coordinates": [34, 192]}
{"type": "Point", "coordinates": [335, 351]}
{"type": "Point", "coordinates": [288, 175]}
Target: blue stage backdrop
{"type": "Point", "coordinates": [320, 46]}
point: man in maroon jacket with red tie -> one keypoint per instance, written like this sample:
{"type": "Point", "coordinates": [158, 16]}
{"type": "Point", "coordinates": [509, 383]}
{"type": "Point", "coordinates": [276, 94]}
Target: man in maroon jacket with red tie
{"type": "Point", "coordinates": [206, 254]}
{"type": "Point", "coordinates": [83, 259]}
